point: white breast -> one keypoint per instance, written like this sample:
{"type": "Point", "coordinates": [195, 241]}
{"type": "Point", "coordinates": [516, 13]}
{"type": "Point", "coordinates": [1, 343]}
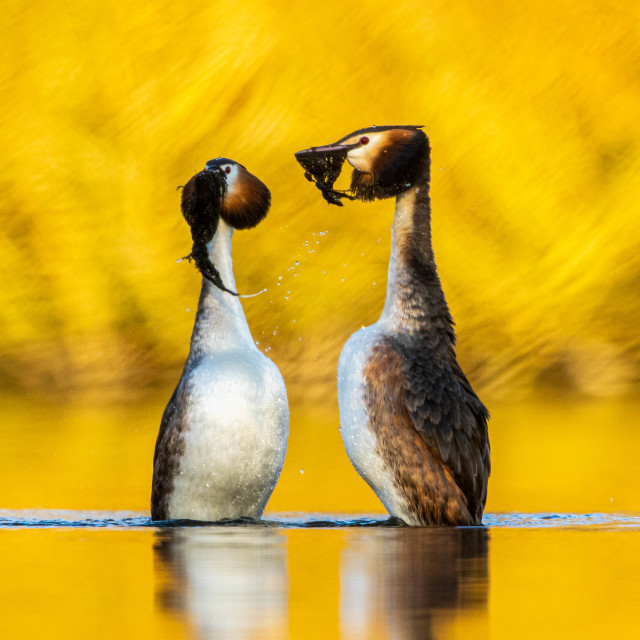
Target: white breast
{"type": "Point", "coordinates": [359, 440]}
{"type": "Point", "coordinates": [235, 444]}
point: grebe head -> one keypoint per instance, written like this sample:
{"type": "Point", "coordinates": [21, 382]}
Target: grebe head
{"type": "Point", "coordinates": [386, 161]}
{"type": "Point", "coordinates": [224, 189]}
{"type": "Point", "coordinates": [245, 200]}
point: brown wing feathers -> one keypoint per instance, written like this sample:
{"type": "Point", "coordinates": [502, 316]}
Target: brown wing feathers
{"type": "Point", "coordinates": [443, 410]}
{"type": "Point", "coordinates": [409, 444]}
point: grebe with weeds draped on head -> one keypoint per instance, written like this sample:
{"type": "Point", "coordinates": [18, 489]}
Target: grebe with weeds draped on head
{"type": "Point", "coordinates": [223, 435]}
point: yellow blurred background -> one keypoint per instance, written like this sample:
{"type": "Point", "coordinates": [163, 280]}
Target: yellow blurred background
{"type": "Point", "coordinates": [532, 110]}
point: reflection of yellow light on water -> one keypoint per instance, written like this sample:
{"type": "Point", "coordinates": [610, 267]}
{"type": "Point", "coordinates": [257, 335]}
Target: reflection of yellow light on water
{"type": "Point", "coordinates": [68, 583]}
{"type": "Point", "coordinates": [326, 583]}
{"type": "Point", "coordinates": [562, 580]}
{"type": "Point", "coordinates": [562, 456]}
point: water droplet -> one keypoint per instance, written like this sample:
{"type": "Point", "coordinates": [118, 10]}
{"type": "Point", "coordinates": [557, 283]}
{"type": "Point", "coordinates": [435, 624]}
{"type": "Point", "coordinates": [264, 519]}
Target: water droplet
{"type": "Point", "coordinates": [286, 297]}
{"type": "Point", "coordinates": [278, 283]}
{"type": "Point", "coordinates": [188, 310]}
{"type": "Point", "coordinates": [301, 470]}
{"type": "Point", "coordinates": [279, 277]}
{"type": "Point", "coordinates": [296, 263]}
{"type": "Point", "coordinates": [274, 332]}
{"type": "Point", "coordinates": [293, 320]}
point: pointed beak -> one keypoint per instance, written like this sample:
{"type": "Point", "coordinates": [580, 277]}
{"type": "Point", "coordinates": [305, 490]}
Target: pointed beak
{"type": "Point", "coordinates": [330, 148]}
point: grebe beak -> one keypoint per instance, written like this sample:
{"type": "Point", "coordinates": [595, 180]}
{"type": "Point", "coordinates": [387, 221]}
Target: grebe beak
{"type": "Point", "coordinates": [330, 148]}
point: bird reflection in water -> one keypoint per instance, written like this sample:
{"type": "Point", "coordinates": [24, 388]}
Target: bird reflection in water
{"type": "Point", "coordinates": [405, 580]}
{"type": "Point", "coordinates": [395, 582]}
{"type": "Point", "coordinates": [226, 582]}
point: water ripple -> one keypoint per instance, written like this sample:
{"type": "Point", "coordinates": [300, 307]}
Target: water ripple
{"type": "Point", "coordinates": [45, 518]}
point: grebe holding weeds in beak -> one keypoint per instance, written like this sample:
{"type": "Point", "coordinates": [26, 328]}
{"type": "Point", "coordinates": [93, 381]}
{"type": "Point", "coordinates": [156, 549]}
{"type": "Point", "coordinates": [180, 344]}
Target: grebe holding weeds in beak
{"type": "Point", "coordinates": [412, 426]}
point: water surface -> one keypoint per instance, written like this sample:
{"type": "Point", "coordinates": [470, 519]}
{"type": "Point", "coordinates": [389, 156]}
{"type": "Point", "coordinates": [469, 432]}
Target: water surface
{"type": "Point", "coordinates": [318, 576]}
{"type": "Point", "coordinates": [47, 518]}
{"type": "Point", "coordinates": [559, 555]}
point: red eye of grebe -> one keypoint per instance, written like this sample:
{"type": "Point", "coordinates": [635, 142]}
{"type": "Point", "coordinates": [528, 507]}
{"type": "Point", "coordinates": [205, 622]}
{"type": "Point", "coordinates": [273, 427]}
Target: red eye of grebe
{"type": "Point", "coordinates": [227, 169]}
{"type": "Point", "coordinates": [364, 140]}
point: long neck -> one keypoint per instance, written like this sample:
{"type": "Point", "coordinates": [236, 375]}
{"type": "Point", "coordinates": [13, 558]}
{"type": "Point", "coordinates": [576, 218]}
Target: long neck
{"type": "Point", "coordinates": [220, 323]}
{"type": "Point", "coordinates": [415, 302]}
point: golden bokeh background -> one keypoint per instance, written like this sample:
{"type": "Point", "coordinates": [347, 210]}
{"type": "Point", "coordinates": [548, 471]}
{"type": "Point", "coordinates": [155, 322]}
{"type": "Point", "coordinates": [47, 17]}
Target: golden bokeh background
{"type": "Point", "coordinates": [532, 111]}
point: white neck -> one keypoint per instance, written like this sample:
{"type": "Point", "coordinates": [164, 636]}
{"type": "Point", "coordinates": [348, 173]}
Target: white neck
{"type": "Point", "coordinates": [220, 322]}
{"type": "Point", "coordinates": [395, 313]}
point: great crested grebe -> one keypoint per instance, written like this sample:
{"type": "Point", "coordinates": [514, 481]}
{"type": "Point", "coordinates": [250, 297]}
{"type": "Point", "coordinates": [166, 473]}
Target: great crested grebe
{"type": "Point", "coordinates": [223, 435]}
{"type": "Point", "coordinates": [412, 426]}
